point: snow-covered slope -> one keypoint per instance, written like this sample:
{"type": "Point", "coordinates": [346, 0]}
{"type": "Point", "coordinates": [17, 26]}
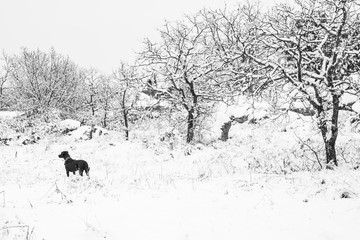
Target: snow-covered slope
{"type": "Point", "coordinates": [261, 184]}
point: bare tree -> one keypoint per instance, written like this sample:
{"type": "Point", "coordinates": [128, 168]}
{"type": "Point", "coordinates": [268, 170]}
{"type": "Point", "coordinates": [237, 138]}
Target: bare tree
{"type": "Point", "coordinates": [92, 81]}
{"type": "Point", "coordinates": [310, 50]}
{"type": "Point", "coordinates": [128, 90]}
{"type": "Point", "coordinates": [106, 95]}
{"type": "Point", "coordinates": [44, 80]}
{"type": "Point", "coordinates": [4, 77]}
{"type": "Point", "coordinates": [184, 68]}
{"type": "Point", "coordinates": [229, 30]}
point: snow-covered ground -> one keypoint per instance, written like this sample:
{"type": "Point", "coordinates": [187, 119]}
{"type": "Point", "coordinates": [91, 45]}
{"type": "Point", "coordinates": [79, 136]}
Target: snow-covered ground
{"type": "Point", "coordinates": [210, 210]}
{"type": "Point", "coordinates": [261, 184]}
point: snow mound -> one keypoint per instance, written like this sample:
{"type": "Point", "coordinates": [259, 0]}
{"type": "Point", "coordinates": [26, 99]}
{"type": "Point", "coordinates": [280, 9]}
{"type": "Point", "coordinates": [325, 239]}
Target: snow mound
{"type": "Point", "coordinates": [82, 133]}
{"type": "Point", "coordinates": [10, 114]}
{"type": "Point", "coordinates": [69, 125]}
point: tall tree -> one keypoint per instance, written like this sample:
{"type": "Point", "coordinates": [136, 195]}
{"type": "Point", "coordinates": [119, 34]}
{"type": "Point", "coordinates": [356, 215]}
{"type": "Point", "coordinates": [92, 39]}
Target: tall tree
{"type": "Point", "coordinates": [310, 49]}
{"type": "Point", "coordinates": [106, 95]}
{"type": "Point", "coordinates": [92, 81]}
{"type": "Point", "coordinates": [184, 68]}
{"type": "Point", "coordinates": [128, 89]}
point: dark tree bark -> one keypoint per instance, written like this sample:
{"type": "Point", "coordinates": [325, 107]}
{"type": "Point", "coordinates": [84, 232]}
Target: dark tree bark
{"type": "Point", "coordinates": [106, 109]}
{"type": "Point", "coordinates": [125, 115]}
{"type": "Point", "coordinates": [225, 129]}
{"type": "Point", "coordinates": [190, 126]}
{"type": "Point", "coordinates": [329, 130]}
{"type": "Point", "coordinates": [92, 104]}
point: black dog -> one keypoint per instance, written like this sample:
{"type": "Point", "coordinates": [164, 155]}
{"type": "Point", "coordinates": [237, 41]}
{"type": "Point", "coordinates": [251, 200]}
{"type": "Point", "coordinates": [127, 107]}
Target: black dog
{"type": "Point", "coordinates": [72, 165]}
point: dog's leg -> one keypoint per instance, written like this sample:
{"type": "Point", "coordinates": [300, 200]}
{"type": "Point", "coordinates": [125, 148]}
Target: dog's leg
{"type": "Point", "coordinates": [67, 173]}
{"type": "Point", "coordinates": [74, 172]}
{"type": "Point", "coordinates": [81, 172]}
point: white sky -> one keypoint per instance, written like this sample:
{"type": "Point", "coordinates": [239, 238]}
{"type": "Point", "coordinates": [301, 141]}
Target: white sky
{"type": "Point", "coordinates": [93, 33]}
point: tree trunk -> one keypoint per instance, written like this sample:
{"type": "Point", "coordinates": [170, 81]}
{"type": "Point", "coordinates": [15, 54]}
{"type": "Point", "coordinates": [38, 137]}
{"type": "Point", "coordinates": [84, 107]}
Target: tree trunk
{"type": "Point", "coordinates": [329, 138]}
{"type": "Point", "coordinates": [125, 113]}
{"type": "Point", "coordinates": [1, 93]}
{"type": "Point", "coordinates": [225, 128]}
{"type": "Point", "coordinates": [105, 114]}
{"type": "Point", "coordinates": [329, 131]}
{"type": "Point", "coordinates": [191, 125]}
{"type": "Point", "coordinates": [190, 109]}
{"type": "Point", "coordinates": [330, 152]}
{"type": "Point", "coordinates": [105, 119]}
{"type": "Point", "coordinates": [92, 105]}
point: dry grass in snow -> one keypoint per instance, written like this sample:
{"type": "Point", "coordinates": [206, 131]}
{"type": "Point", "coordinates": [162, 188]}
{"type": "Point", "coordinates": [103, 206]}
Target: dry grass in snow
{"type": "Point", "coordinates": [255, 186]}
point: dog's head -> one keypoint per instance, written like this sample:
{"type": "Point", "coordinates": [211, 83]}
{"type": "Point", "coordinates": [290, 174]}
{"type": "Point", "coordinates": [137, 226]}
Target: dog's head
{"type": "Point", "coordinates": [64, 154]}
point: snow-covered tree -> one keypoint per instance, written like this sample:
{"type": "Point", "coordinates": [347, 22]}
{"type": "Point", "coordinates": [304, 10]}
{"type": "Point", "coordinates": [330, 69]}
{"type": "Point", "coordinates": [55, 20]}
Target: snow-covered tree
{"type": "Point", "coordinates": [4, 77]}
{"type": "Point", "coordinates": [44, 80]}
{"type": "Point", "coordinates": [309, 49]}
{"type": "Point", "coordinates": [106, 93]}
{"type": "Point", "coordinates": [92, 81]}
{"type": "Point", "coordinates": [184, 68]}
{"type": "Point", "coordinates": [128, 88]}
{"type": "Point", "coordinates": [230, 30]}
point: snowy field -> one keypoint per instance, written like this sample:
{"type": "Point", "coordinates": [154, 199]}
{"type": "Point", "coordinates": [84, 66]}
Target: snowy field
{"type": "Point", "coordinates": [255, 186]}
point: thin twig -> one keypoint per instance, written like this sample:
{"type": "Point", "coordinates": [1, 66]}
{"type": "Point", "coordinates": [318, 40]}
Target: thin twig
{"type": "Point", "coordinates": [307, 145]}
{"type": "Point", "coordinates": [63, 196]}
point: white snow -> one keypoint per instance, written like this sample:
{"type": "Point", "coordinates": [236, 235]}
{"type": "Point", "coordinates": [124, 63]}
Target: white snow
{"type": "Point", "coordinates": [356, 107]}
{"type": "Point", "coordinates": [69, 124]}
{"type": "Point", "coordinates": [348, 98]}
{"type": "Point", "coordinates": [10, 114]}
{"type": "Point", "coordinates": [82, 132]}
{"type": "Point", "coordinates": [261, 184]}
{"type": "Point", "coordinates": [262, 208]}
